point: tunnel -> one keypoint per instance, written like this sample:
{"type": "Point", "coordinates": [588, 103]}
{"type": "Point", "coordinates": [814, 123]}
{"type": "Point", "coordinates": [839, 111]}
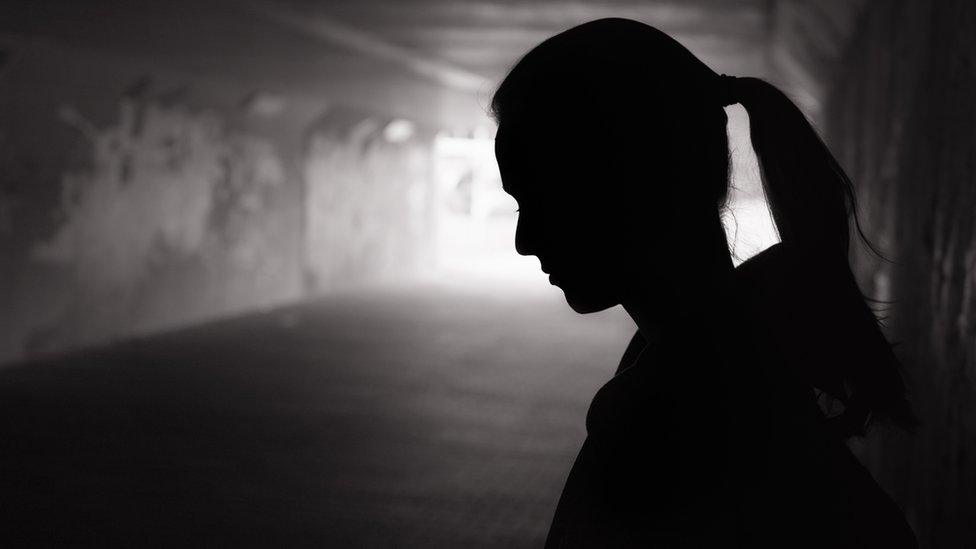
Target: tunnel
{"type": "Point", "coordinates": [259, 285]}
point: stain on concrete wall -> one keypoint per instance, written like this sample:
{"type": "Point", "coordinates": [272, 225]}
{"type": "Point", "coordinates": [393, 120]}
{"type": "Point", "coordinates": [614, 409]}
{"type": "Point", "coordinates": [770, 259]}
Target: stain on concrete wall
{"type": "Point", "coordinates": [903, 119]}
{"type": "Point", "coordinates": [369, 199]}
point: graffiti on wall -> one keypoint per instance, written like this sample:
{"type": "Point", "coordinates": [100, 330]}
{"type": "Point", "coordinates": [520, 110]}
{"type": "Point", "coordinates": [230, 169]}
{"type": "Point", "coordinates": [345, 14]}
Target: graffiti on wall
{"type": "Point", "coordinates": [168, 216]}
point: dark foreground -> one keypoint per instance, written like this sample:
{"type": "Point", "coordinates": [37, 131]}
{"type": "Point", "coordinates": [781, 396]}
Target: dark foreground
{"type": "Point", "coordinates": [397, 419]}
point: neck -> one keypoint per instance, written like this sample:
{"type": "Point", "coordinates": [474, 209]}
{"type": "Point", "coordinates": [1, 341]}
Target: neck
{"type": "Point", "coordinates": [694, 294]}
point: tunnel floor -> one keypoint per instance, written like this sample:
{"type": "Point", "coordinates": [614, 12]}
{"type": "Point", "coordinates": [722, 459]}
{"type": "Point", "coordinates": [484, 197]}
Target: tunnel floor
{"type": "Point", "coordinates": [408, 418]}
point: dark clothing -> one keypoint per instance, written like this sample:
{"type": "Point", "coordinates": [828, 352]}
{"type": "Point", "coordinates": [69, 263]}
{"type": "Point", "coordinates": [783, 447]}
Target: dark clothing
{"type": "Point", "coordinates": [705, 439]}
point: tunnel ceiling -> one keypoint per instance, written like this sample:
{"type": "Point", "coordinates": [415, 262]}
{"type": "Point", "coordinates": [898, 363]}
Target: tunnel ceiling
{"type": "Point", "coordinates": [436, 60]}
{"type": "Point", "coordinates": [485, 37]}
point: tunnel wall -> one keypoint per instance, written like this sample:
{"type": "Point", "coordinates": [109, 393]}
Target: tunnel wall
{"type": "Point", "coordinates": [134, 199]}
{"type": "Point", "coordinates": [369, 200]}
{"type": "Point", "coordinates": [902, 118]}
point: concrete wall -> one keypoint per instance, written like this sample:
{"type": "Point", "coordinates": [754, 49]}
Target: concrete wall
{"type": "Point", "coordinates": [903, 120]}
{"type": "Point", "coordinates": [135, 199]}
{"type": "Point", "coordinates": [369, 199]}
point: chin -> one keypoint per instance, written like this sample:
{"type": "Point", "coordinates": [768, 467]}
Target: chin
{"type": "Point", "coordinates": [584, 303]}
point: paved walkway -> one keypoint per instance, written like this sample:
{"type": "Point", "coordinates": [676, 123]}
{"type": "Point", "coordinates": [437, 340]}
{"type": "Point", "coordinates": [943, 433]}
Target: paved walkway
{"type": "Point", "coordinates": [398, 419]}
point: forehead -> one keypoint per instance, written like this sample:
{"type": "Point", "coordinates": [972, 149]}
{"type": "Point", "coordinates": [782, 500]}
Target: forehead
{"type": "Point", "coordinates": [510, 138]}
{"type": "Point", "coordinates": [510, 159]}
{"type": "Point", "coordinates": [513, 151]}
{"type": "Point", "coordinates": [531, 172]}
{"type": "Point", "coordinates": [520, 149]}
{"type": "Point", "coordinates": [522, 146]}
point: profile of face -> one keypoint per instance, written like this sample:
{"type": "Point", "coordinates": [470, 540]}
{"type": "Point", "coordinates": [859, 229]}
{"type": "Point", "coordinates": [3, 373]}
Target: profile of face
{"type": "Point", "coordinates": [573, 212]}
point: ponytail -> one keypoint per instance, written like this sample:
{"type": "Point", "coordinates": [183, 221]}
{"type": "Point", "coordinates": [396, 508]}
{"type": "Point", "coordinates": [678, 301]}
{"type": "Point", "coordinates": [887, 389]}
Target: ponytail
{"type": "Point", "coordinates": [844, 353]}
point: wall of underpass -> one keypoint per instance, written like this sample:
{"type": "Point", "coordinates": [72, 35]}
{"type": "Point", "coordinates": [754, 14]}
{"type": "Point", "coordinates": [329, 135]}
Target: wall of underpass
{"type": "Point", "coordinates": [135, 199]}
{"type": "Point", "coordinates": [902, 118]}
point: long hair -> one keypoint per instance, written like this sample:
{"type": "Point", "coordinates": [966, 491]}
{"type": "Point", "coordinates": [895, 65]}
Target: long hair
{"type": "Point", "coordinates": [638, 88]}
{"type": "Point", "coordinates": [812, 201]}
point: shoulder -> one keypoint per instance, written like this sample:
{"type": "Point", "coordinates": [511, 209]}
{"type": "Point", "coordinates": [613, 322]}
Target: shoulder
{"type": "Point", "coordinates": [665, 387]}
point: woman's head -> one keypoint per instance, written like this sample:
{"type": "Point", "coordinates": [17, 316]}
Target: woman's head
{"type": "Point", "coordinates": [612, 138]}
{"type": "Point", "coordinates": [613, 141]}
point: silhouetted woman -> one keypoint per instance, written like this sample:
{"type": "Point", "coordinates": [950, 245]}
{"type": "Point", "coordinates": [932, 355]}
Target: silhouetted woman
{"type": "Point", "coordinates": [612, 138]}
